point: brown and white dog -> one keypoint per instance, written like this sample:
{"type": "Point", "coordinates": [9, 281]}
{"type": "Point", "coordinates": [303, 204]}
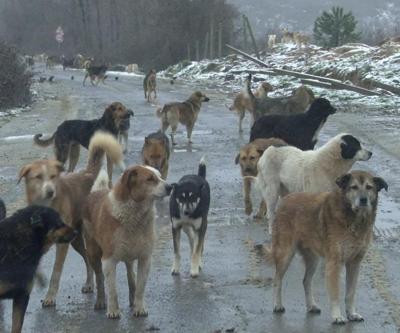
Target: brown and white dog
{"type": "Point", "coordinates": [156, 152]}
{"type": "Point", "coordinates": [185, 113]}
{"type": "Point", "coordinates": [45, 185]}
{"type": "Point", "coordinates": [119, 226]}
{"type": "Point", "coordinates": [337, 225]}
{"type": "Point", "coordinates": [242, 102]}
{"type": "Point", "coordinates": [247, 159]}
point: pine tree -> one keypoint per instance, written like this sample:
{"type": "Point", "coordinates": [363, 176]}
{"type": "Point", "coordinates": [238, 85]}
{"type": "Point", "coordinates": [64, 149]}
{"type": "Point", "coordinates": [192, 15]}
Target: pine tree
{"type": "Point", "coordinates": [335, 28]}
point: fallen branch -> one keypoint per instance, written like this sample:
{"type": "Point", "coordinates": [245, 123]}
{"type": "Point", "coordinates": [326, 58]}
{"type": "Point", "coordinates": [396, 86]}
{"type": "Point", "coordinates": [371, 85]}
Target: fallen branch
{"type": "Point", "coordinates": [317, 84]}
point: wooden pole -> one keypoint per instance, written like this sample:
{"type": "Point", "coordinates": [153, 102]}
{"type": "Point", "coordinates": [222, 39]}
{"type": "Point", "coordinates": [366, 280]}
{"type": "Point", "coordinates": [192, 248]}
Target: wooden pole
{"type": "Point", "coordinates": [188, 52]}
{"type": "Point", "coordinates": [253, 40]}
{"type": "Point", "coordinates": [197, 50]}
{"type": "Point", "coordinates": [220, 40]}
{"type": "Point", "coordinates": [246, 44]}
{"type": "Point", "coordinates": [206, 46]}
{"type": "Point", "coordinates": [212, 39]}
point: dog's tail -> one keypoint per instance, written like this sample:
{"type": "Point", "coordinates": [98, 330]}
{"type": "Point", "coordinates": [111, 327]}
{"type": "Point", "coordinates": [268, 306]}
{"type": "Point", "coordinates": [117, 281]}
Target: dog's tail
{"type": "Point", "coordinates": [202, 168]}
{"type": "Point", "coordinates": [230, 108]}
{"type": "Point", "coordinates": [160, 111]}
{"type": "Point", "coordinates": [248, 89]}
{"type": "Point", "coordinates": [43, 143]}
{"type": "Point", "coordinates": [100, 144]}
{"type": "Point", "coordinates": [3, 210]}
{"type": "Point", "coordinates": [266, 251]}
{"type": "Point", "coordinates": [101, 182]}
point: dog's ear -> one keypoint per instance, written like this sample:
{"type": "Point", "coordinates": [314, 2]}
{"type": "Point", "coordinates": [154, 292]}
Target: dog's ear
{"type": "Point", "coordinates": [131, 113]}
{"type": "Point", "coordinates": [146, 140]}
{"type": "Point", "coordinates": [343, 181]}
{"type": "Point", "coordinates": [23, 172]}
{"type": "Point", "coordinates": [260, 151]}
{"type": "Point", "coordinates": [174, 186]}
{"type": "Point", "coordinates": [59, 166]}
{"type": "Point", "coordinates": [237, 158]}
{"type": "Point", "coordinates": [108, 117]}
{"type": "Point", "coordinates": [380, 184]}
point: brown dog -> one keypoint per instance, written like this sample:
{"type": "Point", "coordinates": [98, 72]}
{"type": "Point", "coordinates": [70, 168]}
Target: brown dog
{"type": "Point", "coordinates": [156, 152]}
{"type": "Point", "coordinates": [45, 185]}
{"type": "Point", "coordinates": [150, 85]}
{"type": "Point", "coordinates": [185, 113]}
{"type": "Point", "coordinates": [337, 225]}
{"type": "Point", "coordinates": [119, 226]}
{"type": "Point", "coordinates": [248, 158]}
{"type": "Point", "coordinates": [242, 102]}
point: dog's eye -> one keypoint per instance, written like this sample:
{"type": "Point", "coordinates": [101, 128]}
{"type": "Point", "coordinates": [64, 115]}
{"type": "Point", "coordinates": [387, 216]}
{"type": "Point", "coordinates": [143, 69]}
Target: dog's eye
{"type": "Point", "coordinates": [252, 158]}
{"type": "Point", "coordinates": [53, 177]}
{"type": "Point", "coordinates": [354, 187]}
{"type": "Point", "coordinates": [39, 177]}
{"type": "Point", "coordinates": [151, 179]}
{"type": "Point", "coordinates": [369, 187]}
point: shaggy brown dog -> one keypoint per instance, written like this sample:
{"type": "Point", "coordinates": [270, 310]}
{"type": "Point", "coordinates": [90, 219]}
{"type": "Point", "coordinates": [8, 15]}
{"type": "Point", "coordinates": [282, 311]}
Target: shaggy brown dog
{"type": "Point", "coordinates": [119, 226]}
{"type": "Point", "coordinates": [242, 102]}
{"type": "Point", "coordinates": [72, 134]}
{"type": "Point", "coordinates": [45, 185]}
{"type": "Point", "coordinates": [182, 112]}
{"type": "Point", "coordinates": [248, 158]}
{"type": "Point", "coordinates": [337, 225]}
{"type": "Point", "coordinates": [156, 152]}
{"type": "Point", "coordinates": [150, 85]}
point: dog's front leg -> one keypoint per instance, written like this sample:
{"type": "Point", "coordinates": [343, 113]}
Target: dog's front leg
{"type": "Point", "coordinates": [333, 269]}
{"type": "Point", "coordinates": [189, 130]}
{"type": "Point", "coordinates": [20, 303]}
{"type": "Point", "coordinates": [142, 276]}
{"type": "Point", "coordinates": [109, 269]}
{"type": "Point", "coordinates": [176, 235]}
{"type": "Point", "coordinates": [79, 246]}
{"type": "Point", "coordinates": [61, 253]}
{"type": "Point", "coordinates": [196, 256]}
{"type": "Point", "coordinates": [262, 210]}
{"type": "Point", "coordinates": [352, 271]}
{"type": "Point", "coordinates": [247, 199]}
{"type": "Point", "coordinates": [130, 274]}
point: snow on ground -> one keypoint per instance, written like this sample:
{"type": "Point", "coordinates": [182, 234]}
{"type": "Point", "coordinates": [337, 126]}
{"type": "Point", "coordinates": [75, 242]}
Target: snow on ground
{"type": "Point", "coordinates": [381, 63]}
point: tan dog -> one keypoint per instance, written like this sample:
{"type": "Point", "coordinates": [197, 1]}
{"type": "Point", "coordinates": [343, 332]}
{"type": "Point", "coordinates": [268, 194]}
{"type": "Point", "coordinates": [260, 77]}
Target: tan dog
{"type": "Point", "coordinates": [287, 36]}
{"type": "Point", "coordinates": [150, 85]}
{"type": "Point", "coordinates": [248, 158]}
{"type": "Point", "coordinates": [185, 113]}
{"type": "Point", "coordinates": [119, 226]}
{"type": "Point", "coordinates": [337, 225]}
{"type": "Point", "coordinates": [156, 152]}
{"type": "Point", "coordinates": [45, 185]}
{"type": "Point", "coordinates": [301, 39]}
{"type": "Point", "coordinates": [242, 102]}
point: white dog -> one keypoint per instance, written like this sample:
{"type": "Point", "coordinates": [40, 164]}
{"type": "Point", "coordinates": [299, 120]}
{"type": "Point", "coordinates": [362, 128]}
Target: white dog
{"type": "Point", "coordinates": [271, 41]}
{"type": "Point", "coordinates": [283, 170]}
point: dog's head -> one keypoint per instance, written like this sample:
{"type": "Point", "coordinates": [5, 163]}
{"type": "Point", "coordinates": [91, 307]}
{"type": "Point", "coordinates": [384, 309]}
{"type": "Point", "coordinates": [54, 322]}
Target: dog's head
{"type": "Point", "coordinates": [248, 158]}
{"type": "Point", "coordinates": [41, 179]}
{"type": "Point", "coordinates": [321, 107]}
{"type": "Point", "coordinates": [266, 87]}
{"type": "Point", "coordinates": [47, 224]}
{"type": "Point", "coordinates": [304, 95]}
{"type": "Point", "coordinates": [360, 190]}
{"type": "Point", "coordinates": [198, 97]}
{"type": "Point", "coordinates": [115, 116]}
{"type": "Point", "coordinates": [350, 149]}
{"type": "Point", "coordinates": [125, 123]}
{"type": "Point", "coordinates": [141, 183]}
{"type": "Point", "coordinates": [187, 195]}
{"type": "Point", "coordinates": [155, 152]}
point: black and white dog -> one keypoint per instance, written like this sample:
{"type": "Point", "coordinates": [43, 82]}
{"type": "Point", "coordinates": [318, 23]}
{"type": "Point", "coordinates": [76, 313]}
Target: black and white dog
{"type": "Point", "coordinates": [188, 205]}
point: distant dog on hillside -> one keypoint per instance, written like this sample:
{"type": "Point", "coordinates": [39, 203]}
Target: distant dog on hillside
{"type": "Point", "coordinates": [24, 238]}
{"type": "Point", "coordinates": [156, 152]}
{"type": "Point", "coordinates": [95, 73]}
{"type": "Point", "coordinates": [189, 204]}
{"type": "Point", "coordinates": [182, 112]}
{"type": "Point", "coordinates": [299, 130]}
{"type": "Point", "coordinates": [150, 85]}
{"type": "Point", "coordinates": [271, 41]}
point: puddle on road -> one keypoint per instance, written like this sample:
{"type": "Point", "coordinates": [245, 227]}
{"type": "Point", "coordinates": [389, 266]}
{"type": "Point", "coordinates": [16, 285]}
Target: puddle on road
{"type": "Point", "coordinates": [18, 138]}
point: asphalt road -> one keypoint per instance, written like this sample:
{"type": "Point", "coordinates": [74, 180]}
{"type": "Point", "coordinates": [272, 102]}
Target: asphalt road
{"type": "Point", "coordinates": [234, 290]}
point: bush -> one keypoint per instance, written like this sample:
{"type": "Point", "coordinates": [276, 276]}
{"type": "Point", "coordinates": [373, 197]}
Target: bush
{"type": "Point", "coordinates": [15, 80]}
{"type": "Point", "coordinates": [335, 28]}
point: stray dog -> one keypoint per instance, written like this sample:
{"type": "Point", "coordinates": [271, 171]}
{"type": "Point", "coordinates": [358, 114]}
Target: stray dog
{"type": "Point", "coordinates": [185, 113]}
{"type": "Point", "coordinates": [188, 205]}
{"type": "Point", "coordinates": [123, 131]}
{"type": "Point", "coordinates": [286, 170]}
{"type": "Point", "coordinates": [51, 61]}
{"type": "Point", "coordinates": [156, 152]}
{"type": "Point", "coordinates": [119, 226]}
{"type": "Point", "coordinates": [3, 210]}
{"type": "Point", "coordinates": [271, 41]}
{"type": "Point", "coordinates": [247, 159]}
{"type": "Point", "coordinates": [242, 101]}
{"type": "Point", "coordinates": [337, 225]}
{"type": "Point", "coordinates": [298, 102]}
{"type": "Point", "coordinates": [301, 39]}
{"type": "Point", "coordinates": [149, 85]}
{"type": "Point", "coordinates": [95, 73]}
{"type": "Point", "coordinates": [66, 62]}
{"type": "Point", "coordinates": [298, 130]}
{"type": "Point", "coordinates": [45, 185]}
{"type": "Point", "coordinates": [25, 237]}
{"type": "Point", "coordinates": [72, 134]}
{"type": "Point", "coordinates": [287, 36]}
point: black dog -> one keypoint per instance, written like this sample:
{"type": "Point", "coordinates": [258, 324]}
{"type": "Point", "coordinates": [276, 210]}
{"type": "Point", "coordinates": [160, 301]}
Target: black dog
{"type": "Point", "coordinates": [24, 238]}
{"type": "Point", "coordinates": [72, 133]}
{"type": "Point", "coordinates": [3, 210]}
{"type": "Point", "coordinates": [67, 63]}
{"type": "Point", "coordinates": [95, 72]}
{"type": "Point", "coordinates": [298, 130]}
{"type": "Point", "coordinates": [188, 205]}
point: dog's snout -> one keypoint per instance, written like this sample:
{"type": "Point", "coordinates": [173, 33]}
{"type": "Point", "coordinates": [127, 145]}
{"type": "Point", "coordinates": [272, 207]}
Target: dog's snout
{"type": "Point", "coordinates": [206, 99]}
{"type": "Point", "coordinates": [363, 201]}
{"type": "Point", "coordinates": [369, 154]}
{"type": "Point", "coordinates": [49, 193]}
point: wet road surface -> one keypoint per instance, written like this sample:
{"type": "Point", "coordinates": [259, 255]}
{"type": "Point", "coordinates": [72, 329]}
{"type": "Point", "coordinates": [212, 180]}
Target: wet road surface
{"type": "Point", "coordinates": [234, 289]}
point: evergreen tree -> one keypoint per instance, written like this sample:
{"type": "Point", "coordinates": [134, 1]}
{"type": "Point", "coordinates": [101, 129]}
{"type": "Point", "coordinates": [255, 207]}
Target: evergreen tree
{"type": "Point", "coordinates": [335, 28]}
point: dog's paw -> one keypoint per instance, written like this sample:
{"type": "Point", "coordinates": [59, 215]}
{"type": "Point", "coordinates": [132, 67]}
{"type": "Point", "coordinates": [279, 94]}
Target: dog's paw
{"type": "Point", "coordinates": [194, 272]}
{"type": "Point", "coordinates": [113, 314]}
{"type": "Point", "coordinates": [100, 305]}
{"type": "Point", "coordinates": [248, 209]}
{"type": "Point", "coordinates": [175, 271]}
{"type": "Point", "coordinates": [140, 312]}
{"type": "Point", "coordinates": [87, 288]}
{"type": "Point", "coordinates": [49, 302]}
{"type": "Point", "coordinates": [354, 317]}
{"type": "Point", "coordinates": [339, 321]}
{"type": "Point", "coordinates": [314, 309]}
{"type": "Point", "coordinates": [279, 309]}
